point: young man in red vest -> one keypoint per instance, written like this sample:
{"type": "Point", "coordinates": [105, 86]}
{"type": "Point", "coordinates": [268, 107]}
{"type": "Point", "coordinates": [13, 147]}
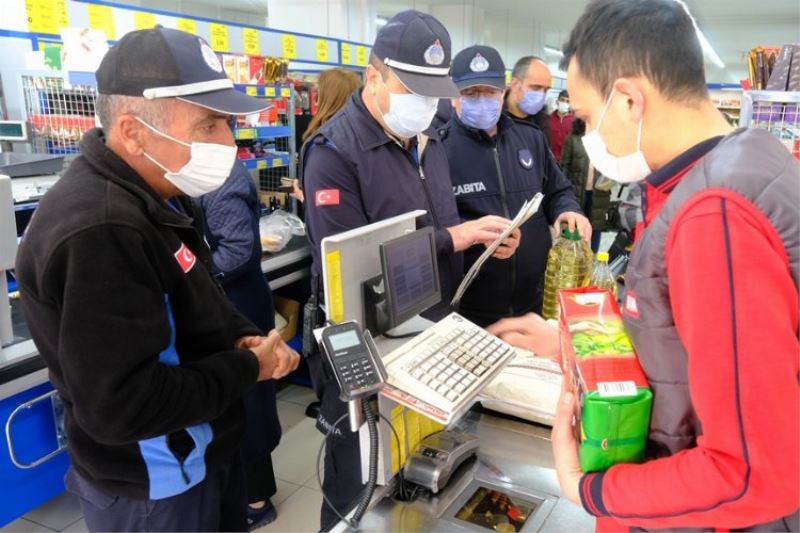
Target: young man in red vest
{"type": "Point", "coordinates": [712, 284]}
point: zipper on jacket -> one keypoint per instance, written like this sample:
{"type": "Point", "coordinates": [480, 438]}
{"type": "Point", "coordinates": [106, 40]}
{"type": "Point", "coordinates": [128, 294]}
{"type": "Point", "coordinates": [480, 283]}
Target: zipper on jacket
{"type": "Point", "coordinates": [428, 196]}
{"type": "Point", "coordinates": [502, 183]}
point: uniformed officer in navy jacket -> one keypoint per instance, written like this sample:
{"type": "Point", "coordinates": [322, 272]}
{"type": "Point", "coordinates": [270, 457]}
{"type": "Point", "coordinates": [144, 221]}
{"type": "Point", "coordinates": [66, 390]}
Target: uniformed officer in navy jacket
{"type": "Point", "coordinates": [375, 159]}
{"type": "Point", "coordinates": [495, 165]}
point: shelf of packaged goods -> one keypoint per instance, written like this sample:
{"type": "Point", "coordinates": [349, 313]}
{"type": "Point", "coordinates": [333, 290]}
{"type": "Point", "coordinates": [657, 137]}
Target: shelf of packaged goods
{"type": "Point", "coordinates": [276, 90]}
{"type": "Point", "coordinates": [729, 108]}
{"type": "Point", "coordinates": [272, 161]}
{"type": "Point", "coordinates": [261, 132]}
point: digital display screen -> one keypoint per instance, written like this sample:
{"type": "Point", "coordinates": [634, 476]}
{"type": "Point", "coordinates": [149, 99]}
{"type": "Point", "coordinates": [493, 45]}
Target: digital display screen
{"type": "Point", "coordinates": [12, 130]}
{"type": "Point", "coordinates": [411, 269]}
{"type": "Point", "coordinates": [344, 340]}
{"type": "Point", "coordinates": [497, 511]}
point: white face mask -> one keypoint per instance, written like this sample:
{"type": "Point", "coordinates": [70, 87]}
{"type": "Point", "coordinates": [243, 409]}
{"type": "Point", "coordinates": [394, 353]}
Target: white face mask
{"type": "Point", "coordinates": [409, 114]}
{"type": "Point", "coordinates": [208, 167]}
{"type": "Point", "coordinates": [563, 108]}
{"type": "Point", "coordinates": [626, 169]}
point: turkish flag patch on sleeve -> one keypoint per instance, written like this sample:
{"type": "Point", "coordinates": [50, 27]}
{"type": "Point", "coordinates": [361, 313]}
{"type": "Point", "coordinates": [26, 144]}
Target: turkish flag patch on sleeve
{"type": "Point", "coordinates": [326, 197]}
{"type": "Point", "coordinates": [186, 259]}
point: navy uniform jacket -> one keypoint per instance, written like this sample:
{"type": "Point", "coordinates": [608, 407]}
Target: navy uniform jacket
{"type": "Point", "coordinates": [494, 176]}
{"type": "Point", "coordinates": [355, 174]}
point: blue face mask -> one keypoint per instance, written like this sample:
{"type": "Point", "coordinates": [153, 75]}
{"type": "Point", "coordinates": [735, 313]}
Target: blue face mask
{"type": "Point", "coordinates": [480, 112]}
{"type": "Point", "coordinates": [532, 102]}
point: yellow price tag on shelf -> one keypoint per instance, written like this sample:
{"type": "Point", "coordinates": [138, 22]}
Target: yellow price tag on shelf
{"type": "Point", "coordinates": [277, 162]}
{"type": "Point", "coordinates": [250, 41]}
{"type": "Point", "coordinates": [508, 77]}
{"type": "Point", "coordinates": [270, 92]}
{"type": "Point", "coordinates": [187, 25]}
{"type": "Point", "coordinates": [333, 273]}
{"type": "Point", "coordinates": [246, 134]}
{"type": "Point", "coordinates": [361, 56]}
{"type": "Point", "coordinates": [251, 91]}
{"type": "Point", "coordinates": [143, 21]}
{"type": "Point", "coordinates": [322, 50]}
{"type": "Point", "coordinates": [46, 16]}
{"type": "Point", "coordinates": [289, 46]}
{"type": "Point", "coordinates": [219, 37]}
{"type": "Point", "coordinates": [286, 92]}
{"type": "Point", "coordinates": [345, 59]}
{"type": "Point", "coordinates": [102, 18]}
{"type": "Point", "coordinates": [261, 164]}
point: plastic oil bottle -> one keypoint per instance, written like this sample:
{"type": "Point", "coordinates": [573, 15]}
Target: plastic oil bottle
{"type": "Point", "coordinates": [569, 265]}
{"type": "Point", "coordinates": [602, 278]}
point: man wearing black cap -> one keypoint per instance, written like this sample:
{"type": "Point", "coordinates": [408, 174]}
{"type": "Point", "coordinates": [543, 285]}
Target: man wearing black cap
{"type": "Point", "coordinates": [147, 354]}
{"type": "Point", "coordinates": [375, 159]}
{"type": "Point", "coordinates": [495, 165]}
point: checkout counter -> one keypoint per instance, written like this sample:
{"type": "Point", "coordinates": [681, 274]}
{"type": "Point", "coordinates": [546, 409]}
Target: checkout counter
{"type": "Point", "coordinates": [508, 484]}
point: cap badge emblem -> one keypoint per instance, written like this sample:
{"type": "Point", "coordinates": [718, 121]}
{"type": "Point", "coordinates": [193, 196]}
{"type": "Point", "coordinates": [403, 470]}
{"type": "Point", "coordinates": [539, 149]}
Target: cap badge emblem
{"type": "Point", "coordinates": [210, 57]}
{"type": "Point", "coordinates": [479, 64]}
{"type": "Point", "coordinates": [434, 55]}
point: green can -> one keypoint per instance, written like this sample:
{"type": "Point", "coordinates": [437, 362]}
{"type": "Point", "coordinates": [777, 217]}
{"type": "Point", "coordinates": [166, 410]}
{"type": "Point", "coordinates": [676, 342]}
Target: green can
{"type": "Point", "coordinates": [614, 429]}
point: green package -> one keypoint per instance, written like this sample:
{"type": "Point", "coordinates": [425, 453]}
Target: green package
{"type": "Point", "coordinates": [614, 429]}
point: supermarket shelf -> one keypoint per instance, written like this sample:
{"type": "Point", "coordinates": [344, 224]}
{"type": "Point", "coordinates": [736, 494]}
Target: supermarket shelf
{"type": "Point", "coordinates": [729, 108]}
{"type": "Point", "coordinates": [277, 90]}
{"type": "Point", "coordinates": [273, 161]}
{"type": "Point", "coordinates": [262, 132]}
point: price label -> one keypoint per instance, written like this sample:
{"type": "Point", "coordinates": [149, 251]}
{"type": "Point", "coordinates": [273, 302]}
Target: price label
{"type": "Point", "coordinates": [361, 56]}
{"type": "Point", "coordinates": [611, 389]}
{"type": "Point", "coordinates": [286, 92]}
{"type": "Point", "coordinates": [102, 18]}
{"type": "Point", "coordinates": [322, 50]}
{"type": "Point", "coordinates": [261, 164]}
{"type": "Point", "coordinates": [508, 77]}
{"type": "Point", "coordinates": [250, 38]}
{"type": "Point", "coordinates": [346, 59]}
{"type": "Point", "coordinates": [246, 134]}
{"type": "Point", "coordinates": [289, 46]}
{"type": "Point", "coordinates": [219, 37]}
{"type": "Point", "coordinates": [277, 162]}
{"type": "Point", "coordinates": [46, 16]}
{"type": "Point", "coordinates": [187, 25]}
{"type": "Point", "coordinates": [270, 91]}
{"type": "Point", "coordinates": [143, 21]}
{"type": "Point", "coordinates": [251, 91]}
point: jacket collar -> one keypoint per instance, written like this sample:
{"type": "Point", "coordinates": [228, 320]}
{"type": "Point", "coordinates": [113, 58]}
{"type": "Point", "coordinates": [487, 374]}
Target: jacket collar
{"type": "Point", "coordinates": [111, 167]}
{"type": "Point", "coordinates": [367, 130]}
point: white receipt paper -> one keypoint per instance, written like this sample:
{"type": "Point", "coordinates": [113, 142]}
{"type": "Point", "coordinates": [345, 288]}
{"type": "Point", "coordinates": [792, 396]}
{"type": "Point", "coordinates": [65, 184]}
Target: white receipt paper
{"type": "Point", "coordinates": [527, 210]}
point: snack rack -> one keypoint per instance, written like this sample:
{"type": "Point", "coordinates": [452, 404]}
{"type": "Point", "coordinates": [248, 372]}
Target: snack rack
{"type": "Point", "coordinates": [778, 112]}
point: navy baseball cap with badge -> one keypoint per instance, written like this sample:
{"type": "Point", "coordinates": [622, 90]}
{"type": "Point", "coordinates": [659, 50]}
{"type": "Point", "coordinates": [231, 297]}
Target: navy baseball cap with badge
{"type": "Point", "coordinates": [416, 46]}
{"type": "Point", "coordinates": [166, 63]}
{"type": "Point", "coordinates": [478, 65]}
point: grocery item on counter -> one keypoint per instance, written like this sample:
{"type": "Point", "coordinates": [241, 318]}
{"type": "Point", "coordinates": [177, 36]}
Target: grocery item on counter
{"type": "Point", "coordinates": [614, 397]}
{"type": "Point", "coordinates": [569, 264]}
{"type": "Point", "coordinates": [602, 278]}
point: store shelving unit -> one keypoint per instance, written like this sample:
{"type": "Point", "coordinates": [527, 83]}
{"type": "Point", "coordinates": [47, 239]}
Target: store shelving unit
{"type": "Point", "coordinates": [273, 142]}
{"type": "Point", "coordinates": [775, 111]}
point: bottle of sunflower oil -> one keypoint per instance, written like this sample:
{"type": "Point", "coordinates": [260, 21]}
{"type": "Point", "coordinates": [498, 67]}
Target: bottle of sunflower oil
{"type": "Point", "coordinates": [569, 265]}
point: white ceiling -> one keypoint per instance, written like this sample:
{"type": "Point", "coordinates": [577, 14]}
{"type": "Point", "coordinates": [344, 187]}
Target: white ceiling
{"type": "Point", "coordinates": [521, 27]}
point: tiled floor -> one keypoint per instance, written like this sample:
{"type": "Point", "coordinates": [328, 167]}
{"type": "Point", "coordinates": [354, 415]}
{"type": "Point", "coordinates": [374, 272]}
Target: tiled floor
{"type": "Point", "coordinates": [298, 498]}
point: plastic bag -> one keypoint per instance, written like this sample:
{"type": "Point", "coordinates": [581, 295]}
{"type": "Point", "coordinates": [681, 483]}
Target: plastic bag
{"type": "Point", "coordinates": [277, 228]}
{"type": "Point", "coordinates": [528, 387]}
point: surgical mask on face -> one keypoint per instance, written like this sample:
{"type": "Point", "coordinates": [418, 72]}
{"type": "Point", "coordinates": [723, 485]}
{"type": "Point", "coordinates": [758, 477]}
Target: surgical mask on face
{"type": "Point", "coordinates": [409, 114]}
{"type": "Point", "coordinates": [480, 112]}
{"type": "Point", "coordinates": [623, 169]}
{"type": "Point", "coordinates": [532, 102]}
{"type": "Point", "coordinates": [563, 108]}
{"type": "Point", "coordinates": [208, 167]}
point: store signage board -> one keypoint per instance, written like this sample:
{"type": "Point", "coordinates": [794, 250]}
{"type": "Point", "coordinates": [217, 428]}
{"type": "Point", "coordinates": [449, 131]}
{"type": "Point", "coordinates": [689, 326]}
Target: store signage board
{"type": "Point", "coordinates": [187, 25]}
{"type": "Point", "coordinates": [289, 46]}
{"type": "Point", "coordinates": [102, 18]}
{"type": "Point", "coordinates": [250, 41]}
{"type": "Point", "coordinates": [143, 21]}
{"type": "Point", "coordinates": [219, 37]}
{"type": "Point", "coordinates": [361, 56]}
{"type": "Point", "coordinates": [46, 16]}
{"type": "Point", "coordinates": [346, 54]}
{"type": "Point", "coordinates": [322, 50]}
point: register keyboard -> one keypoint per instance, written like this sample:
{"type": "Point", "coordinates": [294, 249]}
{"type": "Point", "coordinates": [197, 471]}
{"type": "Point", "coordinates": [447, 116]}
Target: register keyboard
{"type": "Point", "coordinates": [448, 364]}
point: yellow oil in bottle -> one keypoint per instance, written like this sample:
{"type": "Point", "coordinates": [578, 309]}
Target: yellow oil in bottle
{"type": "Point", "coordinates": [569, 265]}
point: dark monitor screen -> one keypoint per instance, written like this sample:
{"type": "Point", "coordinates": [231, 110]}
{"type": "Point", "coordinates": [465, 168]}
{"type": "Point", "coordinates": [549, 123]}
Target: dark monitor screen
{"type": "Point", "coordinates": [411, 274]}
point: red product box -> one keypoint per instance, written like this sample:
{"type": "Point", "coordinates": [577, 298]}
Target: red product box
{"type": "Point", "coordinates": [256, 70]}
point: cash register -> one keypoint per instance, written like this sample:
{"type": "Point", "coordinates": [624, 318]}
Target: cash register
{"type": "Point", "coordinates": [421, 370]}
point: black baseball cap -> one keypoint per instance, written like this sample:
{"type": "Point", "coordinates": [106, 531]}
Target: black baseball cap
{"type": "Point", "coordinates": [416, 46]}
{"type": "Point", "coordinates": [162, 63]}
{"type": "Point", "coordinates": [478, 65]}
